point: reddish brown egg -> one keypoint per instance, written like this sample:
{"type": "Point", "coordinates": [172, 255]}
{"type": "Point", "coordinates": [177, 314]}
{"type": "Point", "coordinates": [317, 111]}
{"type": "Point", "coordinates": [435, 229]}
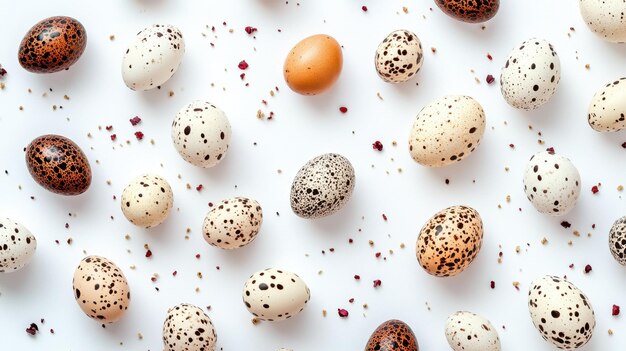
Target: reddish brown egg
{"type": "Point", "coordinates": [58, 164]}
{"type": "Point", "coordinates": [472, 11]}
{"type": "Point", "coordinates": [393, 335]}
{"type": "Point", "coordinates": [52, 45]}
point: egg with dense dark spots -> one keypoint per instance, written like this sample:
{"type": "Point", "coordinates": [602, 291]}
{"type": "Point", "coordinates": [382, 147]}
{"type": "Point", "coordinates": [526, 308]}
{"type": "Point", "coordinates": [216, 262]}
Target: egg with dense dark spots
{"type": "Point", "coordinates": [52, 45]}
{"type": "Point", "coordinates": [187, 327]}
{"type": "Point", "coordinates": [58, 164]}
{"type": "Point", "coordinates": [392, 335]}
{"type": "Point", "coordinates": [472, 11]}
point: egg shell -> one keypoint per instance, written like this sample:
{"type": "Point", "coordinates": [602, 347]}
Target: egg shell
{"type": "Point", "coordinates": [399, 56]}
{"type": "Point", "coordinates": [551, 183]}
{"type": "Point", "coordinates": [147, 200]}
{"type": "Point", "coordinates": [447, 131]}
{"type": "Point", "coordinates": [392, 335]}
{"type": "Point", "coordinates": [188, 328]}
{"type": "Point", "coordinates": [153, 57]}
{"type": "Point", "coordinates": [101, 289]}
{"type": "Point", "coordinates": [531, 75]}
{"type": "Point", "coordinates": [313, 65]}
{"type": "Point", "coordinates": [17, 246]}
{"type": "Point", "coordinates": [58, 164]}
{"type": "Point", "coordinates": [52, 45]}
{"type": "Point", "coordinates": [275, 295]}
{"type": "Point", "coordinates": [467, 331]}
{"type": "Point", "coordinates": [617, 240]}
{"type": "Point", "coordinates": [608, 106]}
{"type": "Point", "coordinates": [561, 312]}
{"type": "Point", "coordinates": [449, 241]}
{"type": "Point", "coordinates": [605, 18]}
{"type": "Point", "coordinates": [233, 223]}
{"type": "Point", "coordinates": [201, 134]}
{"type": "Point", "coordinates": [322, 186]}
{"type": "Point", "coordinates": [471, 11]}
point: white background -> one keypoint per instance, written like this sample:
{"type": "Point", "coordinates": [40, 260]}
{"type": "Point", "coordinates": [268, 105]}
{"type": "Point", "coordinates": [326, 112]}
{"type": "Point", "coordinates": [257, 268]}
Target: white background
{"type": "Point", "coordinates": [303, 128]}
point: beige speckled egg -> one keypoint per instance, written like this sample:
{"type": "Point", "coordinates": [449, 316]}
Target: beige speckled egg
{"type": "Point", "coordinates": [275, 295]}
{"type": "Point", "coordinates": [101, 289]}
{"type": "Point", "coordinates": [608, 107]}
{"type": "Point", "coordinates": [188, 328]}
{"type": "Point", "coordinates": [449, 241]}
{"type": "Point", "coordinates": [606, 18]}
{"type": "Point", "coordinates": [399, 57]}
{"type": "Point", "coordinates": [447, 131]}
{"type": "Point", "coordinates": [467, 331]}
{"type": "Point", "coordinates": [233, 223]}
{"type": "Point", "coordinates": [17, 246]}
{"type": "Point", "coordinates": [147, 200]}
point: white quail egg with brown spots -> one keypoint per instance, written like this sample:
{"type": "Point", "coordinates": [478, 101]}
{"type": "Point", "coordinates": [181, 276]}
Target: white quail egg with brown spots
{"type": "Point", "coordinates": [447, 131]}
{"type": "Point", "coordinates": [201, 134]}
{"type": "Point", "coordinates": [617, 240]}
{"type": "Point", "coordinates": [233, 223]}
{"type": "Point", "coordinates": [153, 57]}
{"type": "Point", "coordinates": [322, 186]}
{"type": "Point", "coordinates": [467, 331]}
{"type": "Point", "coordinates": [607, 111]}
{"type": "Point", "coordinates": [17, 246]}
{"type": "Point", "coordinates": [147, 200]}
{"type": "Point", "coordinates": [101, 289]}
{"type": "Point", "coordinates": [561, 312]}
{"type": "Point", "coordinates": [552, 183]}
{"type": "Point", "coordinates": [399, 57]}
{"type": "Point", "coordinates": [188, 328]}
{"type": "Point", "coordinates": [531, 74]}
{"type": "Point", "coordinates": [605, 18]}
{"type": "Point", "coordinates": [275, 294]}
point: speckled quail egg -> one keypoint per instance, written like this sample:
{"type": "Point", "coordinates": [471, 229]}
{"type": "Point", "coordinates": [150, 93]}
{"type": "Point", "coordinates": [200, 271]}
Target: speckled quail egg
{"type": "Point", "coordinates": [101, 289]}
{"type": "Point", "coordinates": [201, 134]}
{"type": "Point", "coordinates": [392, 335]}
{"type": "Point", "coordinates": [449, 241]}
{"type": "Point", "coordinates": [447, 131]}
{"type": "Point", "coordinates": [188, 328]}
{"type": "Point", "coordinates": [322, 186]}
{"type": "Point", "coordinates": [399, 57]}
{"type": "Point", "coordinates": [617, 240]}
{"type": "Point", "coordinates": [17, 246]}
{"type": "Point", "coordinates": [233, 223]}
{"type": "Point", "coordinates": [275, 294]}
{"type": "Point", "coordinates": [147, 200]}
{"type": "Point", "coordinates": [605, 18]}
{"type": "Point", "coordinates": [531, 74]}
{"type": "Point", "coordinates": [561, 312]}
{"type": "Point", "coordinates": [470, 11]}
{"type": "Point", "coordinates": [551, 183]}
{"type": "Point", "coordinates": [608, 107]}
{"type": "Point", "coordinates": [467, 331]}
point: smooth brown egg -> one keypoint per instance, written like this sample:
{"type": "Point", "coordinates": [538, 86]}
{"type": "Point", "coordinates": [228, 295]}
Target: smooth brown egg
{"type": "Point", "coordinates": [52, 45]}
{"type": "Point", "coordinates": [393, 335]}
{"type": "Point", "coordinates": [472, 11]}
{"type": "Point", "coordinates": [313, 65]}
{"type": "Point", "coordinates": [58, 164]}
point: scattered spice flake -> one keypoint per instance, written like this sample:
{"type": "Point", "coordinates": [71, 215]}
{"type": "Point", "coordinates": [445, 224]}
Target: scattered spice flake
{"type": "Point", "coordinates": [242, 76]}
{"type": "Point", "coordinates": [148, 253]}
{"type": "Point", "coordinates": [243, 65]}
{"type": "Point", "coordinates": [344, 109]}
{"type": "Point", "coordinates": [595, 189]}
{"type": "Point", "coordinates": [32, 329]}
{"type": "Point", "coordinates": [139, 135]}
{"type": "Point", "coordinates": [492, 284]}
{"type": "Point", "coordinates": [3, 71]}
{"type": "Point", "coordinates": [113, 137]}
{"type": "Point", "coordinates": [364, 8]}
{"type": "Point", "coordinates": [357, 277]}
{"type": "Point", "coordinates": [489, 57]}
{"type": "Point", "coordinates": [108, 128]}
{"type": "Point", "coordinates": [199, 187]}
{"type": "Point", "coordinates": [615, 310]}
{"type": "Point", "coordinates": [624, 145]}
{"type": "Point", "coordinates": [620, 188]}
{"type": "Point", "coordinates": [516, 285]}
{"type": "Point", "coordinates": [434, 50]}
{"type": "Point", "coordinates": [250, 29]}
{"type": "Point", "coordinates": [377, 283]}
{"type": "Point", "coordinates": [565, 224]}
{"type": "Point", "coordinates": [377, 145]}
{"type": "Point", "coordinates": [174, 273]}
{"type": "Point", "coordinates": [550, 150]}
{"type": "Point", "coordinates": [384, 217]}
{"type": "Point", "coordinates": [135, 120]}
{"type": "Point", "coordinates": [588, 269]}
{"type": "Point", "coordinates": [342, 312]}
{"type": "Point", "coordinates": [490, 79]}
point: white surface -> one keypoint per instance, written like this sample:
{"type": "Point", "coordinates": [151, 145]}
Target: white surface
{"type": "Point", "coordinates": [303, 128]}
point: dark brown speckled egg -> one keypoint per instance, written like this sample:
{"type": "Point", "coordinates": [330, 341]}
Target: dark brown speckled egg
{"type": "Point", "coordinates": [58, 164]}
{"type": "Point", "coordinates": [393, 335]}
{"type": "Point", "coordinates": [52, 45]}
{"type": "Point", "coordinates": [472, 11]}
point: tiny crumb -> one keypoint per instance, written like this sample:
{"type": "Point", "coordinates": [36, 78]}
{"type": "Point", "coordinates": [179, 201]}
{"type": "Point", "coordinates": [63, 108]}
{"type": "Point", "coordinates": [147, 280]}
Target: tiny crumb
{"type": "Point", "coordinates": [405, 9]}
{"type": "Point", "coordinates": [255, 321]}
{"type": "Point", "coordinates": [434, 50]}
{"type": "Point", "coordinates": [544, 241]}
{"type": "Point", "coordinates": [610, 332]}
{"type": "Point", "coordinates": [324, 313]}
{"type": "Point", "coordinates": [111, 37]}
{"type": "Point", "coordinates": [587, 66]}
{"type": "Point", "coordinates": [140, 336]}
{"type": "Point", "coordinates": [171, 93]}
{"type": "Point", "coordinates": [516, 285]}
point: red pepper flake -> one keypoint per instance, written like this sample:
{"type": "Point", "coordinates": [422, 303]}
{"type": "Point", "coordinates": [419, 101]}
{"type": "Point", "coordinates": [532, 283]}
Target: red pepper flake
{"type": "Point", "coordinates": [32, 329]}
{"type": "Point", "coordinates": [550, 150]}
{"type": "Point", "coordinates": [378, 255]}
{"type": "Point", "coordinates": [210, 204]}
{"type": "Point", "coordinates": [135, 120]}
{"type": "Point", "coordinates": [565, 224]}
{"type": "Point", "coordinates": [113, 137]}
{"type": "Point", "coordinates": [174, 273]}
{"type": "Point", "coordinates": [489, 57]}
{"type": "Point", "coordinates": [243, 65]}
{"type": "Point", "coordinates": [351, 300]}
{"type": "Point", "coordinates": [357, 277]}
{"type": "Point", "coordinates": [492, 284]}
{"type": "Point", "coordinates": [512, 146]}
{"type": "Point", "coordinates": [199, 187]}
{"type": "Point", "coordinates": [615, 310]}
{"type": "Point", "coordinates": [198, 256]}
{"type": "Point", "coordinates": [67, 226]}
{"type": "Point", "coordinates": [51, 331]}
{"type": "Point", "coordinates": [250, 29]}
{"type": "Point", "coordinates": [571, 266]}
{"type": "Point", "coordinates": [593, 226]}
{"type": "Point", "coordinates": [490, 79]}
{"type": "Point", "coordinates": [332, 249]}
{"type": "Point", "coordinates": [212, 28]}
{"type": "Point", "coordinates": [242, 76]}
{"type": "Point", "coordinates": [364, 8]}
{"type": "Point", "coordinates": [588, 268]}
{"type": "Point", "coordinates": [139, 135]}
{"type": "Point", "coordinates": [153, 279]}
{"type": "Point", "coordinates": [3, 71]}
{"type": "Point", "coordinates": [595, 189]}
{"type": "Point", "coordinates": [624, 145]}
{"type": "Point", "coordinates": [342, 313]}
{"type": "Point", "coordinates": [384, 217]}
{"type": "Point", "coordinates": [350, 241]}
{"type": "Point", "coordinates": [344, 109]}
{"type": "Point", "coordinates": [377, 145]}
{"type": "Point", "coordinates": [377, 283]}
{"type": "Point", "coordinates": [148, 253]}
{"type": "Point", "coordinates": [108, 128]}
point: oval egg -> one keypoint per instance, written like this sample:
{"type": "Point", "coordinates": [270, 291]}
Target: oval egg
{"type": "Point", "coordinates": [551, 183]}
{"type": "Point", "coordinates": [275, 295]}
{"type": "Point", "coordinates": [52, 45]}
{"type": "Point", "coordinates": [470, 11]}
{"type": "Point", "coordinates": [147, 200]}
{"type": "Point", "coordinates": [399, 57]}
{"type": "Point", "coordinates": [392, 335]}
{"type": "Point", "coordinates": [101, 289]}
{"type": "Point", "coordinates": [322, 186]}
{"type": "Point", "coordinates": [447, 131]}
{"type": "Point", "coordinates": [153, 57]}
{"type": "Point", "coordinates": [188, 328]}
{"type": "Point", "coordinates": [531, 75]}
{"type": "Point", "coordinates": [605, 18]}
{"type": "Point", "coordinates": [467, 331]}
{"type": "Point", "coordinates": [201, 134]}
{"type": "Point", "coordinates": [313, 65]}
{"type": "Point", "coordinates": [233, 223]}
{"type": "Point", "coordinates": [617, 240]}
{"type": "Point", "coordinates": [449, 241]}
{"type": "Point", "coordinates": [561, 312]}
{"type": "Point", "coordinates": [17, 246]}
{"type": "Point", "coordinates": [608, 107]}
{"type": "Point", "coordinates": [58, 164]}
